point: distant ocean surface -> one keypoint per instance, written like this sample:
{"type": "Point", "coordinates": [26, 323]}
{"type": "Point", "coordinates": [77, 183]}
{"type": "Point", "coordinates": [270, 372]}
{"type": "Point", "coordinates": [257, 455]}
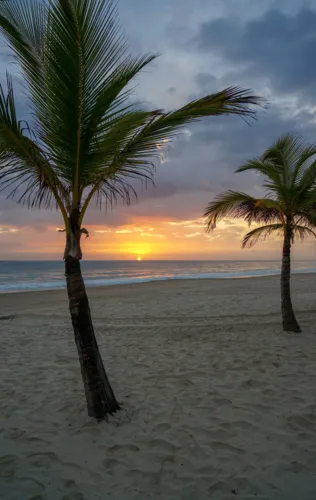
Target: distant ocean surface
{"type": "Point", "coordinates": [19, 276]}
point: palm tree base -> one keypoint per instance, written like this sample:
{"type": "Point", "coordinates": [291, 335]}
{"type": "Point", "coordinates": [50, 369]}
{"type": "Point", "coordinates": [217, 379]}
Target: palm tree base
{"type": "Point", "coordinates": [291, 326]}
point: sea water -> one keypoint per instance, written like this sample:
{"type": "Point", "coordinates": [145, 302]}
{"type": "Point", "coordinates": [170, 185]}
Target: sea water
{"type": "Point", "coordinates": [47, 275]}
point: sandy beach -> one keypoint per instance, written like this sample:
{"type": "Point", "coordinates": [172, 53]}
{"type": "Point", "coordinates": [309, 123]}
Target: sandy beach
{"type": "Point", "coordinates": [218, 402]}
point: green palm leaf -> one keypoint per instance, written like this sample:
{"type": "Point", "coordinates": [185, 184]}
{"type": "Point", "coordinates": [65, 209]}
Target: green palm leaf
{"type": "Point", "coordinates": [23, 163]}
{"type": "Point", "coordinates": [240, 205]}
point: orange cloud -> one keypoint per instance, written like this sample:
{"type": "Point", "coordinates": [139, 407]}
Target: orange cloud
{"type": "Point", "coordinates": [7, 229]}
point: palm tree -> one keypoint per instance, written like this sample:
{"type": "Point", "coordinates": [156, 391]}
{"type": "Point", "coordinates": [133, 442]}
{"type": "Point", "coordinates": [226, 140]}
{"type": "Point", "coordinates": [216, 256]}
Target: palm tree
{"type": "Point", "coordinates": [289, 170]}
{"type": "Point", "coordinates": [86, 141]}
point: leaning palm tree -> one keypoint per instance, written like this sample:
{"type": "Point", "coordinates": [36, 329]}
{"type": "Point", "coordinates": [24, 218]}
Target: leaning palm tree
{"type": "Point", "coordinates": [85, 141]}
{"type": "Point", "coordinates": [289, 171]}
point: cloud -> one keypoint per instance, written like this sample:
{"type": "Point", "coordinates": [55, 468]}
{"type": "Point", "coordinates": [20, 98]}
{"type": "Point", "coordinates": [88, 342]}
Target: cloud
{"type": "Point", "coordinates": [152, 235]}
{"type": "Point", "coordinates": [213, 236]}
{"type": "Point", "coordinates": [235, 143]}
{"type": "Point", "coordinates": [193, 235]}
{"type": "Point", "coordinates": [187, 223]}
{"type": "Point", "coordinates": [276, 49]}
{"type": "Point", "coordinates": [8, 230]}
{"type": "Point", "coordinates": [192, 226]}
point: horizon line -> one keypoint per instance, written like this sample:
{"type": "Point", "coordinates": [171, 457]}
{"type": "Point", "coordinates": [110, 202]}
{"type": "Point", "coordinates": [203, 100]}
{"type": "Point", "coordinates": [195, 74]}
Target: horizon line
{"type": "Point", "coordinates": [157, 260]}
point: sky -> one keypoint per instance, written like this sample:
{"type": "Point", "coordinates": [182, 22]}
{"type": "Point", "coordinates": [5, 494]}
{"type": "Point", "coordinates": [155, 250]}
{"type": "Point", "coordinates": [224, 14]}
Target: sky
{"type": "Point", "coordinates": [205, 46]}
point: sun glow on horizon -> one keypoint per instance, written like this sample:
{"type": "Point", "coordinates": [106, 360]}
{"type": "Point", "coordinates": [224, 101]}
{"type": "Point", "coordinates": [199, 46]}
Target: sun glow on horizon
{"type": "Point", "coordinates": [143, 239]}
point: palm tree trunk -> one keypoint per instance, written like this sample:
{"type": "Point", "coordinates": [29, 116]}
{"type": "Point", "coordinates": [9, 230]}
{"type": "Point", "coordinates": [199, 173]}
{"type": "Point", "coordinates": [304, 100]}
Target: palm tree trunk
{"type": "Point", "coordinates": [290, 323]}
{"type": "Point", "coordinates": [99, 394]}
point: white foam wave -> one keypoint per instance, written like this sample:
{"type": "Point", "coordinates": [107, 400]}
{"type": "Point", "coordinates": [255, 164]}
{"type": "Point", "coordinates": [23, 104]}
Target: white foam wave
{"type": "Point", "coordinates": [90, 282]}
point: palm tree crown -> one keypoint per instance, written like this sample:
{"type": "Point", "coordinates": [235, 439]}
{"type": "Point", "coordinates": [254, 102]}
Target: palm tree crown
{"type": "Point", "coordinates": [289, 171]}
{"type": "Point", "coordinates": [87, 140]}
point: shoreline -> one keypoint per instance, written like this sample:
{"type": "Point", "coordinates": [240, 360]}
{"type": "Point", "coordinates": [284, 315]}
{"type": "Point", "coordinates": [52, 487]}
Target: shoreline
{"type": "Point", "coordinates": [157, 280]}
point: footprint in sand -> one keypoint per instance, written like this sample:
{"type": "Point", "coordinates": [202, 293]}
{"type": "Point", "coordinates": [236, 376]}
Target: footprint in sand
{"type": "Point", "coordinates": [163, 427]}
{"type": "Point", "coordinates": [7, 466]}
{"type": "Point", "coordinates": [239, 424]}
{"type": "Point", "coordinates": [111, 463]}
{"type": "Point", "coordinates": [219, 446]}
{"type": "Point", "coordinates": [301, 422]}
{"type": "Point", "coordinates": [14, 433]}
{"type": "Point", "coordinates": [37, 440]}
{"type": "Point", "coordinates": [122, 450]}
{"type": "Point", "coordinates": [46, 460]}
{"type": "Point", "coordinates": [162, 445]}
{"type": "Point", "coordinates": [72, 495]}
{"type": "Point", "coordinates": [218, 487]}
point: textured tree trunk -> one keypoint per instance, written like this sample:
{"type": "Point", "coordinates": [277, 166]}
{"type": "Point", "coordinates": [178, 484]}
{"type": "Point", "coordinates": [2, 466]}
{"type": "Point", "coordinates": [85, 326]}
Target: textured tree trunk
{"type": "Point", "coordinates": [99, 394]}
{"type": "Point", "coordinates": [289, 321]}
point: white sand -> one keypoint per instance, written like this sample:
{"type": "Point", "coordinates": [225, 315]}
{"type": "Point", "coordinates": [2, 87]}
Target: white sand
{"type": "Point", "coordinates": [218, 402]}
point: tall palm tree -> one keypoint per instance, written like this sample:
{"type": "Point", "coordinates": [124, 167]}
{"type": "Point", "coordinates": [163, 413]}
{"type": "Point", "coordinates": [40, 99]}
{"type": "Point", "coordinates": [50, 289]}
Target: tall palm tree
{"type": "Point", "coordinates": [289, 171]}
{"type": "Point", "coordinates": [86, 140]}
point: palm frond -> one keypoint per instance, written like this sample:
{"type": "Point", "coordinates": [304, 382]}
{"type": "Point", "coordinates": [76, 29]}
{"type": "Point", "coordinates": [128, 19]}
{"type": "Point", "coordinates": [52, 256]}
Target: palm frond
{"type": "Point", "coordinates": [228, 204]}
{"type": "Point", "coordinates": [156, 135]}
{"type": "Point", "coordinates": [22, 162]}
{"type": "Point", "coordinates": [273, 175]}
{"type": "Point", "coordinates": [289, 169]}
{"type": "Point", "coordinates": [23, 23]}
{"type": "Point", "coordinates": [302, 231]}
{"type": "Point", "coordinates": [71, 63]}
{"type": "Point", "coordinates": [232, 100]}
{"type": "Point", "coordinates": [261, 233]}
{"type": "Point", "coordinates": [263, 167]}
{"type": "Point", "coordinates": [289, 154]}
{"type": "Point", "coordinates": [240, 205]}
{"type": "Point", "coordinates": [306, 216]}
{"type": "Point", "coordinates": [285, 151]}
{"type": "Point", "coordinates": [105, 147]}
{"type": "Point", "coordinates": [306, 177]}
{"type": "Point", "coordinates": [304, 170]}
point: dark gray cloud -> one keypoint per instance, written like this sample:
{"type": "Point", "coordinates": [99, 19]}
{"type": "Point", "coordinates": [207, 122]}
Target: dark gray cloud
{"type": "Point", "coordinates": [206, 82]}
{"type": "Point", "coordinates": [239, 142]}
{"type": "Point", "coordinates": [278, 48]}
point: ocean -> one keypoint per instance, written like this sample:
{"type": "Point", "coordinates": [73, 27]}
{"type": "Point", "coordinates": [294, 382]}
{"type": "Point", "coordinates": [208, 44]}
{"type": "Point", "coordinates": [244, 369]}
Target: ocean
{"type": "Point", "coordinates": [47, 275]}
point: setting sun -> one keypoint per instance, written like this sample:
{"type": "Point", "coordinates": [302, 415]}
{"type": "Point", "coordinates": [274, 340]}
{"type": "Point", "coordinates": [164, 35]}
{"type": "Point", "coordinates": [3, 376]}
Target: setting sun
{"type": "Point", "coordinates": [139, 258]}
